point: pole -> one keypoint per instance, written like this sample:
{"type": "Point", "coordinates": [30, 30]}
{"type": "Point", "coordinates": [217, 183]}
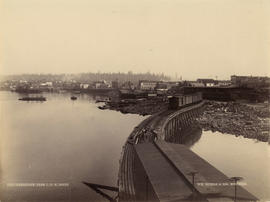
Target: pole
{"type": "Point", "coordinates": [193, 173]}
{"type": "Point", "coordinates": [235, 179]}
{"type": "Point", "coordinates": [235, 187]}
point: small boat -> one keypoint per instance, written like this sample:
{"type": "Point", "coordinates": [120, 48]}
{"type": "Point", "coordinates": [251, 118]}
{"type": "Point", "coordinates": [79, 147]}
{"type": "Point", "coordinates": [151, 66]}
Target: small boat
{"type": "Point", "coordinates": [73, 98]}
{"type": "Point", "coordinates": [102, 100]}
{"type": "Point", "coordinates": [102, 107]}
{"type": "Point", "coordinates": [41, 98]}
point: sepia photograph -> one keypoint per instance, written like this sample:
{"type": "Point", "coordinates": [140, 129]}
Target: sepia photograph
{"type": "Point", "coordinates": [134, 100]}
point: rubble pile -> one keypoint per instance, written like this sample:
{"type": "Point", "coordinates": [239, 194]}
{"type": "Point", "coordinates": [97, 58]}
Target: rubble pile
{"type": "Point", "coordinates": [142, 107]}
{"type": "Point", "coordinates": [250, 121]}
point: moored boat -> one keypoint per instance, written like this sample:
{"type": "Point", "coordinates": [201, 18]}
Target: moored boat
{"type": "Point", "coordinates": [73, 98]}
{"type": "Point", "coordinates": [40, 98]}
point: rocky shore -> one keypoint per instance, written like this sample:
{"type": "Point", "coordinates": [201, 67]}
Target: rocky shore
{"type": "Point", "coordinates": [239, 119]}
{"type": "Point", "coordinates": [248, 120]}
{"type": "Point", "coordinates": [140, 106]}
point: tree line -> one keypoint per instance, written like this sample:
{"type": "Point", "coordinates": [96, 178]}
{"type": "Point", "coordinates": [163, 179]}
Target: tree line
{"type": "Point", "coordinates": [89, 77]}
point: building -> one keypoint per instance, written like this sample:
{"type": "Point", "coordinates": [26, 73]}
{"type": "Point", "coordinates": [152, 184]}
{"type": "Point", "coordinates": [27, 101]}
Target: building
{"type": "Point", "coordinates": [161, 86]}
{"type": "Point", "coordinates": [115, 84]}
{"type": "Point", "coordinates": [196, 84]}
{"type": "Point", "coordinates": [128, 85]}
{"type": "Point", "coordinates": [250, 81]}
{"type": "Point", "coordinates": [46, 86]}
{"type": "Point", "coordinates": [101, 85]}
{"type": "Point", "coordinates": [207, 82]}
{"type": "Point", "coordinates": [84, 85]}
{"type": "Point", "coordinates": [147, 85]}
{"type": "Point", "coordinates": [224, 83]}
{"type": "Point", "coordinates": [171, 84]}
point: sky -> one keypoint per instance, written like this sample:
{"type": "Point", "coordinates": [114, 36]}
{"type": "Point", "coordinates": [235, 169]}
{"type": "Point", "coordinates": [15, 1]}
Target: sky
{"type": "Point", "coordinates": [187, 38]}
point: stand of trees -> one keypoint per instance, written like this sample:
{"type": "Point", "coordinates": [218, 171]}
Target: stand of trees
{"type": "Point", "coordinates": [89, 77]}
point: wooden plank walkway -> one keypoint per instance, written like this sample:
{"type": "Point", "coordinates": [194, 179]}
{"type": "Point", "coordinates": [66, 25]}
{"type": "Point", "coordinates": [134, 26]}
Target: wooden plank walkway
{"type": "Point", "coordinates": [168, 167]}
{"type": "Point", "coordinates": [209, 174]}
{"type": "Point", "coordinates": [160, 173]}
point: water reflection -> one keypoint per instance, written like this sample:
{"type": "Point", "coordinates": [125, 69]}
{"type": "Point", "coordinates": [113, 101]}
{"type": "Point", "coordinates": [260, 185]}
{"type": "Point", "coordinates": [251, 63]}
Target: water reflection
{"type": "Point", "coordinates": [238, 156]}
{"type": "Point", "coordinates": [188, 135]}
{"type": "Point", "coordinates": [234, 156]}
{"type": "Point", "coordinates": [59, 141]}
{"type": "Point", "coordinates": [65, 141]}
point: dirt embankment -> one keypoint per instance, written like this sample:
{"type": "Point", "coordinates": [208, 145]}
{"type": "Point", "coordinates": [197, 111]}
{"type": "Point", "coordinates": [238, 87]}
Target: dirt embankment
{"type": "Point", "coordinates": [248, 120]}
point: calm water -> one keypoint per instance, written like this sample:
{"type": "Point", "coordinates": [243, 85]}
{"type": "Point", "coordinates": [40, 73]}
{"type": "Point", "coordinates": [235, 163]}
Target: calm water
{"type": "Point", "coordinates": [238, 156]}
{"type": "Point", "coordinates": [59, 141]}
{"type": "Point", "coordinates": [64, 141]}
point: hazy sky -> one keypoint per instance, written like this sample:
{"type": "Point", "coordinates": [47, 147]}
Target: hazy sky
{"type": "Point", "coordinates": [193, 38]}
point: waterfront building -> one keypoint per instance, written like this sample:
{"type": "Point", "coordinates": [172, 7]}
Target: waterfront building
{"type": "Point", "coordinates": [250, 81]}
{"type": "Point", "coordinates": [147, 85]}
{"type": "Point", "coordinates": [84, 85]}
{"type": "Point", "coordinates": [196, 84]}
{"type": "Point", "coordinates": [207, 82]}
{"type": "Point", "coordinates": [101, 84]}
{"type": "Point", "coordinates": [224, 83]}
{"type": "Point", "coordinates": [115, 84]}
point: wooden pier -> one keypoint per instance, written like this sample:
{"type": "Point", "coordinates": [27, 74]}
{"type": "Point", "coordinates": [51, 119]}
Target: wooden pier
{"type": "Point", "coordinates": [152, 169]}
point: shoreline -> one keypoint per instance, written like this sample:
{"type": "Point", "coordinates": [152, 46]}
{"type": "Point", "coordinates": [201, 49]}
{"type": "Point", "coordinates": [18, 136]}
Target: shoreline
{"type": "Point", "coordinates": [141, 106]}
{"type": "Point", "coordinates": [239, 119]}
{"type": "Point", "coordinates": [234, 118]}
